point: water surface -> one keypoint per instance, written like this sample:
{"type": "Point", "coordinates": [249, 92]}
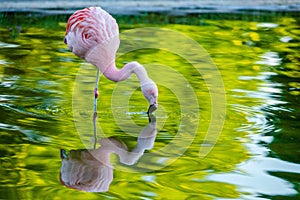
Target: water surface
{"type": "Point", "coordinates": [256, 155]}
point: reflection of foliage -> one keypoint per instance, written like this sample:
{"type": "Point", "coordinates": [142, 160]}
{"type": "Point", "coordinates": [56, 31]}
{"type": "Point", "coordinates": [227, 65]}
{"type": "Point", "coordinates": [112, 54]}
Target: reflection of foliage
{"type": "Point", "coordinates": [24, 19]}
{"type": "Point", "coordinates": [15, 31]}
{"type": "Point", "coordinates": [38, 78]}
{"type": "Point", "coordinates": [41, 20]}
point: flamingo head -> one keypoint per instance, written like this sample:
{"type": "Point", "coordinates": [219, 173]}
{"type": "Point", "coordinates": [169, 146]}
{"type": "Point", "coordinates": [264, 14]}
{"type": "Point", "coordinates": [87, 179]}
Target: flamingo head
{"type": "Point", "coordinates": [150, 92]}
{"type": "Point", "coordinates": [88, 28]}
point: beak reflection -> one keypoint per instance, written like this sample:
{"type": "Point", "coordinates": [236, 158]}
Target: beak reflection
{"type": "Point", "coordinates": [151, 109]}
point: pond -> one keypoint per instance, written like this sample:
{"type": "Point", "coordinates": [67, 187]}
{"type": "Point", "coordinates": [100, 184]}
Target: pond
{"type": "Point", "coordinates": [226, 127]}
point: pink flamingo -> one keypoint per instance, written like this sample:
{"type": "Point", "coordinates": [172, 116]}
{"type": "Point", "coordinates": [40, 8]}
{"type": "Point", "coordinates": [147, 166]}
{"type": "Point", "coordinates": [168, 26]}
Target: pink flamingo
{"type": "Point", "coordinates": [93, 35]}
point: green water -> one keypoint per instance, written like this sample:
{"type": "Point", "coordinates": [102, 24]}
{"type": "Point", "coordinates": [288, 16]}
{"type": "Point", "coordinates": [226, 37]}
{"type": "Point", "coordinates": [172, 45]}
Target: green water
{"type": "Point", "coordinates": [46, 103]}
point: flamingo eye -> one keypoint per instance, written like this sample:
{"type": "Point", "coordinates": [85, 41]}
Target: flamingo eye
{"type": "Point", "coordinates": [86, 36]}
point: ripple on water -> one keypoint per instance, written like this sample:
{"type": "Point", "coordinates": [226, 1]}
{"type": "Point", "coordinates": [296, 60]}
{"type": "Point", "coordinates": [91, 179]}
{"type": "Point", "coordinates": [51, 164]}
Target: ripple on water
{"type": "Point", "coordinates": [266, 25]}
{"type": "Point", "coordinates": [259, 106]}
{"type": "Point", "coordinates": [253, 176]}
{"type": "Point", "coordinates": [8, 45]}
{"type": "Point", "coordinates": [31, 135]}
{"type": "Point", "coordinates": [36, 87]}
{"type": "Point", "coordinates": [270, 59]}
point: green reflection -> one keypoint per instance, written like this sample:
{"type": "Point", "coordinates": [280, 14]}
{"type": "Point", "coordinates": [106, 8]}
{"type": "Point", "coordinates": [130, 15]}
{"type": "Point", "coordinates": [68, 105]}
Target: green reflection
{"type": "Point", "coordinates": [259, 64]}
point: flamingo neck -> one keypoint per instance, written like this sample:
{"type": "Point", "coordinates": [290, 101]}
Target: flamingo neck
{"type": "Point", "coordinates": [115, 74]}
{"type": "Point", "coordinates": [103, 57]}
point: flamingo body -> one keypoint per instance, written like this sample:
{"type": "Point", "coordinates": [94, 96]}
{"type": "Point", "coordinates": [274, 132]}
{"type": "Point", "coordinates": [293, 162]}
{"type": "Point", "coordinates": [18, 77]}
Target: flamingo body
{"type": "Point", "coordinates": [93, 35]}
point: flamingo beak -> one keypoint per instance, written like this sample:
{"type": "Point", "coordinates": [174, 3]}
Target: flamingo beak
{"type": "Point", "coordinates": [151, 108]}
{"type": "Point", "coordinates": [63, 154]}
{"type": "Point", "coordinates": [151, 118]}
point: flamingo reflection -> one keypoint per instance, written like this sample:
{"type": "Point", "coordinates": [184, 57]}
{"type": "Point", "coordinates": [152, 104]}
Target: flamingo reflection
{"type": "Point", "coordinates": [91, 170]}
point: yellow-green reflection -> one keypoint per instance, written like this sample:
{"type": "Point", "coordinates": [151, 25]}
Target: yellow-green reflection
{"type": "Point", "coordinates": [259, 64]}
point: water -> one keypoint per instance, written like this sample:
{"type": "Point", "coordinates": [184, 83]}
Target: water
{"type": "Point", "coordinates": [46, 106]}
